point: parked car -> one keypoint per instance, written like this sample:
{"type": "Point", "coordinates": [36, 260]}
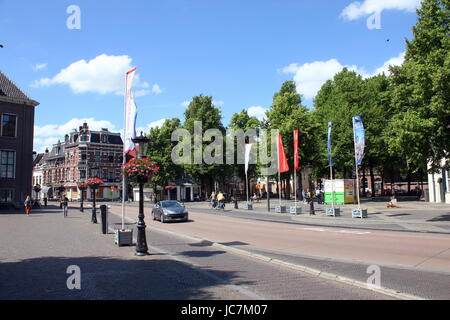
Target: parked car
{"type": "Point", "coordinates": [167, 211]}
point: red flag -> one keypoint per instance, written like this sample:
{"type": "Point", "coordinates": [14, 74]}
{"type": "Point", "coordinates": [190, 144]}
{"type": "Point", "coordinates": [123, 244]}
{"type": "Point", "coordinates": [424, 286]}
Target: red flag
{"type": "Point", "coordinates": [296, 165]}
{"type": "Point", "coordinates": [283, 165]}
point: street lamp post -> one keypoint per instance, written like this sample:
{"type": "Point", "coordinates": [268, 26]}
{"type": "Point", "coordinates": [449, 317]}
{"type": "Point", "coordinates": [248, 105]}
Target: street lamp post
{"type": "Point", "coordinates": [141, 244]}
{"type": "Point", "coordinates": [82, 188]}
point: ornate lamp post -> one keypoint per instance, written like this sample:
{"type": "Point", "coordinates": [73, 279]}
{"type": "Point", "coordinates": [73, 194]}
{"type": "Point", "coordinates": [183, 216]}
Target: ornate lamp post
{"type": "Point", "coordinates": [141, 170]}
{"type": "Point", "coordinates": [94, 184]}
{"type": "Point", "coordinates": [82, 187]}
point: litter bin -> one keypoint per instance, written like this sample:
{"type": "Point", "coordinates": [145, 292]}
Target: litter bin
{"type": "Point", "coordinates": [104, 213]}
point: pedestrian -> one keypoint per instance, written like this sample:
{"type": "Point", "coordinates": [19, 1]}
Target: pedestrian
{"type": "Point", "coordinates": [27, 205]}
{"type": "Point", "coordinates": [65, 206]}
{"type": "Point", "coordinates": [221, 201]}
{"type": "Point", "coordinates": [45, 201]}
{"type": "Point", "coordinates": [213, 200]}
{"type": "Point", "coordinates": [319, 196]}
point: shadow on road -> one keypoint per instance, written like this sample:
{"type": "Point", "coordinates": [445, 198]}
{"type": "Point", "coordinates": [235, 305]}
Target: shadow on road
{"type": "Point", "coordinates": [153, 278]}
{"type": "Point", "coordinates": [445, 217]}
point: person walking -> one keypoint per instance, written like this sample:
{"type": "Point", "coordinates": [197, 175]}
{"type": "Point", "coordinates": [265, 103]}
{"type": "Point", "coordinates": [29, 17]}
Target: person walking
{"type": "Point", "coordinates": [65, 206]}
{"type": "Point", "coordinates": [319, 196]}
{"type": "Point", "coordinates": [27, 205]}
{"type": "Point", "coordinates": [221, 201]}
{"type": "Point", "coordinates": [213, 200]}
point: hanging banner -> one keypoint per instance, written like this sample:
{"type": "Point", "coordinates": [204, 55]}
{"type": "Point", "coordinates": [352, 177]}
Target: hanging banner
{"type": "Point", "coordinates": [283, 165]}
{"type": "Point", "coordinates": [296, 164]}
{"type": "Point", "coordinates": [360, 139]}
{"type": "Point", "coordinates": [248, 149]}
{"type": "Point", "coordinates": [330, 128]}
{"type": "Point", "coordinates": [130, 114]}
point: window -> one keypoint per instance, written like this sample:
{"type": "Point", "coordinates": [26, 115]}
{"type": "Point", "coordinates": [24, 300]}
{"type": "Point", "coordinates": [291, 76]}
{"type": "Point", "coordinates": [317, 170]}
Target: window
{"type": "Point", "coordinates": [6, 195]}
{"type": "Point", "coordinates": [8, 125]}
{"type": "Point", "coordinates": [82, 174]}
{"type": "Point", "coordinates": [83, 156]}
{"type": "Point", "coordinates": [98, 157]}
{"type": "Point", "coordinates": [112, 175]}
{"type": "Point", "coordinates": [7, 164]}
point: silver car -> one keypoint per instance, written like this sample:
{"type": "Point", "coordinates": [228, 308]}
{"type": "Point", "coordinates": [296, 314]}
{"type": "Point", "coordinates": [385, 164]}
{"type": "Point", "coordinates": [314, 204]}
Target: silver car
{"type": "Point", "coordinates": [167, 211]}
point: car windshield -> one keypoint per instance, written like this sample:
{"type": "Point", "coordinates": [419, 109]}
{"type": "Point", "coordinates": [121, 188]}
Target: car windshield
{"type": "Point", "coordinates": [171, 204]}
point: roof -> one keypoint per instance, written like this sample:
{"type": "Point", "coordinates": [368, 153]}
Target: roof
{"type": "Point", "coordinates": [10, 92]}
{"type": "Point", "coordinates": [38, 159]}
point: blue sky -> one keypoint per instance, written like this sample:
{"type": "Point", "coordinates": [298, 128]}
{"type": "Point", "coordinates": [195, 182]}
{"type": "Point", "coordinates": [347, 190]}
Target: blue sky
{"type": "Point", "coordinates": [239, 52]}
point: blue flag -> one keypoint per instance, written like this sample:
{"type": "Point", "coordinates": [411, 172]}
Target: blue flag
{"type": "Point", "coordinates": [330, 157]}
{"type": "Point", "coordinates": [360, 139]}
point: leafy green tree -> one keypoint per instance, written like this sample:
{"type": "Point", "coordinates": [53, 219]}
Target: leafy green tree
{"type": "Point", "coordinates": [201, 109]}
{"type": "Point", "coordinates": [420, 127]}
{"type": "Point", "coordinates": [288, 114]}
{"type": "Point", "coordinates": [160, 151]}
{"type": "Point", "coordinates": [242, 121]}
{"type": "Point", "coordinates": [338, 101]}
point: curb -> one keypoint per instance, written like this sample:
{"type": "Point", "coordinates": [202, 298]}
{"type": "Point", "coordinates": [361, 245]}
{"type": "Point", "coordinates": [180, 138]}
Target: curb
{"type": "Point", "coordinates": [317, 273]}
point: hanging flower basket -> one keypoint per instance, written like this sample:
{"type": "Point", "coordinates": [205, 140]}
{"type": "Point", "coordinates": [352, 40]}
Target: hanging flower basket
{"type": "Point", "coordinates": [94, 183]}
{"type": "Point", "coordinates": [140, 170]}
{"type": "Point", "coordinates": [82, 186]}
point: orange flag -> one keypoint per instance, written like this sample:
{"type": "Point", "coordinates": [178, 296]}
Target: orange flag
{"type": "Point", "coordinates": [283, 165]}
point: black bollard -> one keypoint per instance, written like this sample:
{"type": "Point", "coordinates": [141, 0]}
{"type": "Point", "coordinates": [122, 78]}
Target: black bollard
{"type": "Point", "coordinates": [311, 208]}
{"type": "Point", "coordinates": [236, 206]}
{"type": "Point", "coordinates": [104, 215]}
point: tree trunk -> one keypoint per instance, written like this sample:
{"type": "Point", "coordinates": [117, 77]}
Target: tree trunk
{"type": "Point", "coordinates": [372, 180]}
{"type": "Point", "coordinates": [364, 182]}
{"type": "Point", "coordinates": [288, 188]}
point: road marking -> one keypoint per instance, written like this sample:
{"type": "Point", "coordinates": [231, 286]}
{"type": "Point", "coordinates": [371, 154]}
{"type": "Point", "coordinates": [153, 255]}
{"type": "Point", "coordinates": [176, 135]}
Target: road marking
{"type": "Point", "coordinates": [334, 231]}
{"type": "Point", "coordinates": [312, 229]}
{"type": "Point", "coordinates": [353, 232]}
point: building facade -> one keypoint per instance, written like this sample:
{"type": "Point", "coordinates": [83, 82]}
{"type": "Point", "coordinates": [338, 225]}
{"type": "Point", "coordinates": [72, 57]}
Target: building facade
{"type": "Point", "coordinates": [16, 143]}
{"type": "Point", "coordinates": [439, 186]}
{"type": "Point", "coordinates": [83, 154]}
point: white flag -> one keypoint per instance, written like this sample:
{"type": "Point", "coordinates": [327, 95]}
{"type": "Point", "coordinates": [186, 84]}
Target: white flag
{"type": "Point", "coordinates": [130, 113]}
{"type": "Point", "coordinates": [248, 149]}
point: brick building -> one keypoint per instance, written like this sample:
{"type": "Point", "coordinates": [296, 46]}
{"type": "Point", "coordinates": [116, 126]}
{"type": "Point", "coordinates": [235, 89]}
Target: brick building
{"type": "Point", "coordinates": [16, 143]}
{"type": "Point", "coordinates": [83, 154]}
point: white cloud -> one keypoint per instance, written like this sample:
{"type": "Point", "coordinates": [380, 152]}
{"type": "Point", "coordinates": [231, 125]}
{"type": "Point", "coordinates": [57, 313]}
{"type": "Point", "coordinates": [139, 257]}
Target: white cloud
{"type": "Point", "coordinates": [156, 89]}
{"type": "Point", "coordinates": [357, 9]}
{"type": "Point", "coordinates": [185, 104]}
{"type": "Point", "coordinates": [258, 112]}
{"type": "Point", "coordinates": [40, 66]}
{"type": "Point", "coordinates": [396, 61]}
{"type": "Point", "coordinates": [310, 77]}
{"type": "Point", "coordinates": [46, 136]}
{"type": "Point", "coordinates": [154, 124]}
{"type": "Point", "coordinates": [103, 74]}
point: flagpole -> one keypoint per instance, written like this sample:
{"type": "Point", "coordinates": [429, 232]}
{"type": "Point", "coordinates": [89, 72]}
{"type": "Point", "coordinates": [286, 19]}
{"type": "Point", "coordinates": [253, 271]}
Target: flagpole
{"type": "Point", "coordinates": [357, 171]}
{"type": "Point", "coordinates": [124, 161]}
{"type": "Point", "coordinates": [246, 184]}
{"type": "Point", "coordinates": [295, 187]}
{"type": "Point", "coordinates": [332, 188]}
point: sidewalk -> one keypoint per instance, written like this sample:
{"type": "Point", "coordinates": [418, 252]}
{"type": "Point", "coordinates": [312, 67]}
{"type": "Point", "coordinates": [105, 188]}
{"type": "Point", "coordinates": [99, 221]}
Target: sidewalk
{"type": "Point", "coordinates": [37, 250]}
